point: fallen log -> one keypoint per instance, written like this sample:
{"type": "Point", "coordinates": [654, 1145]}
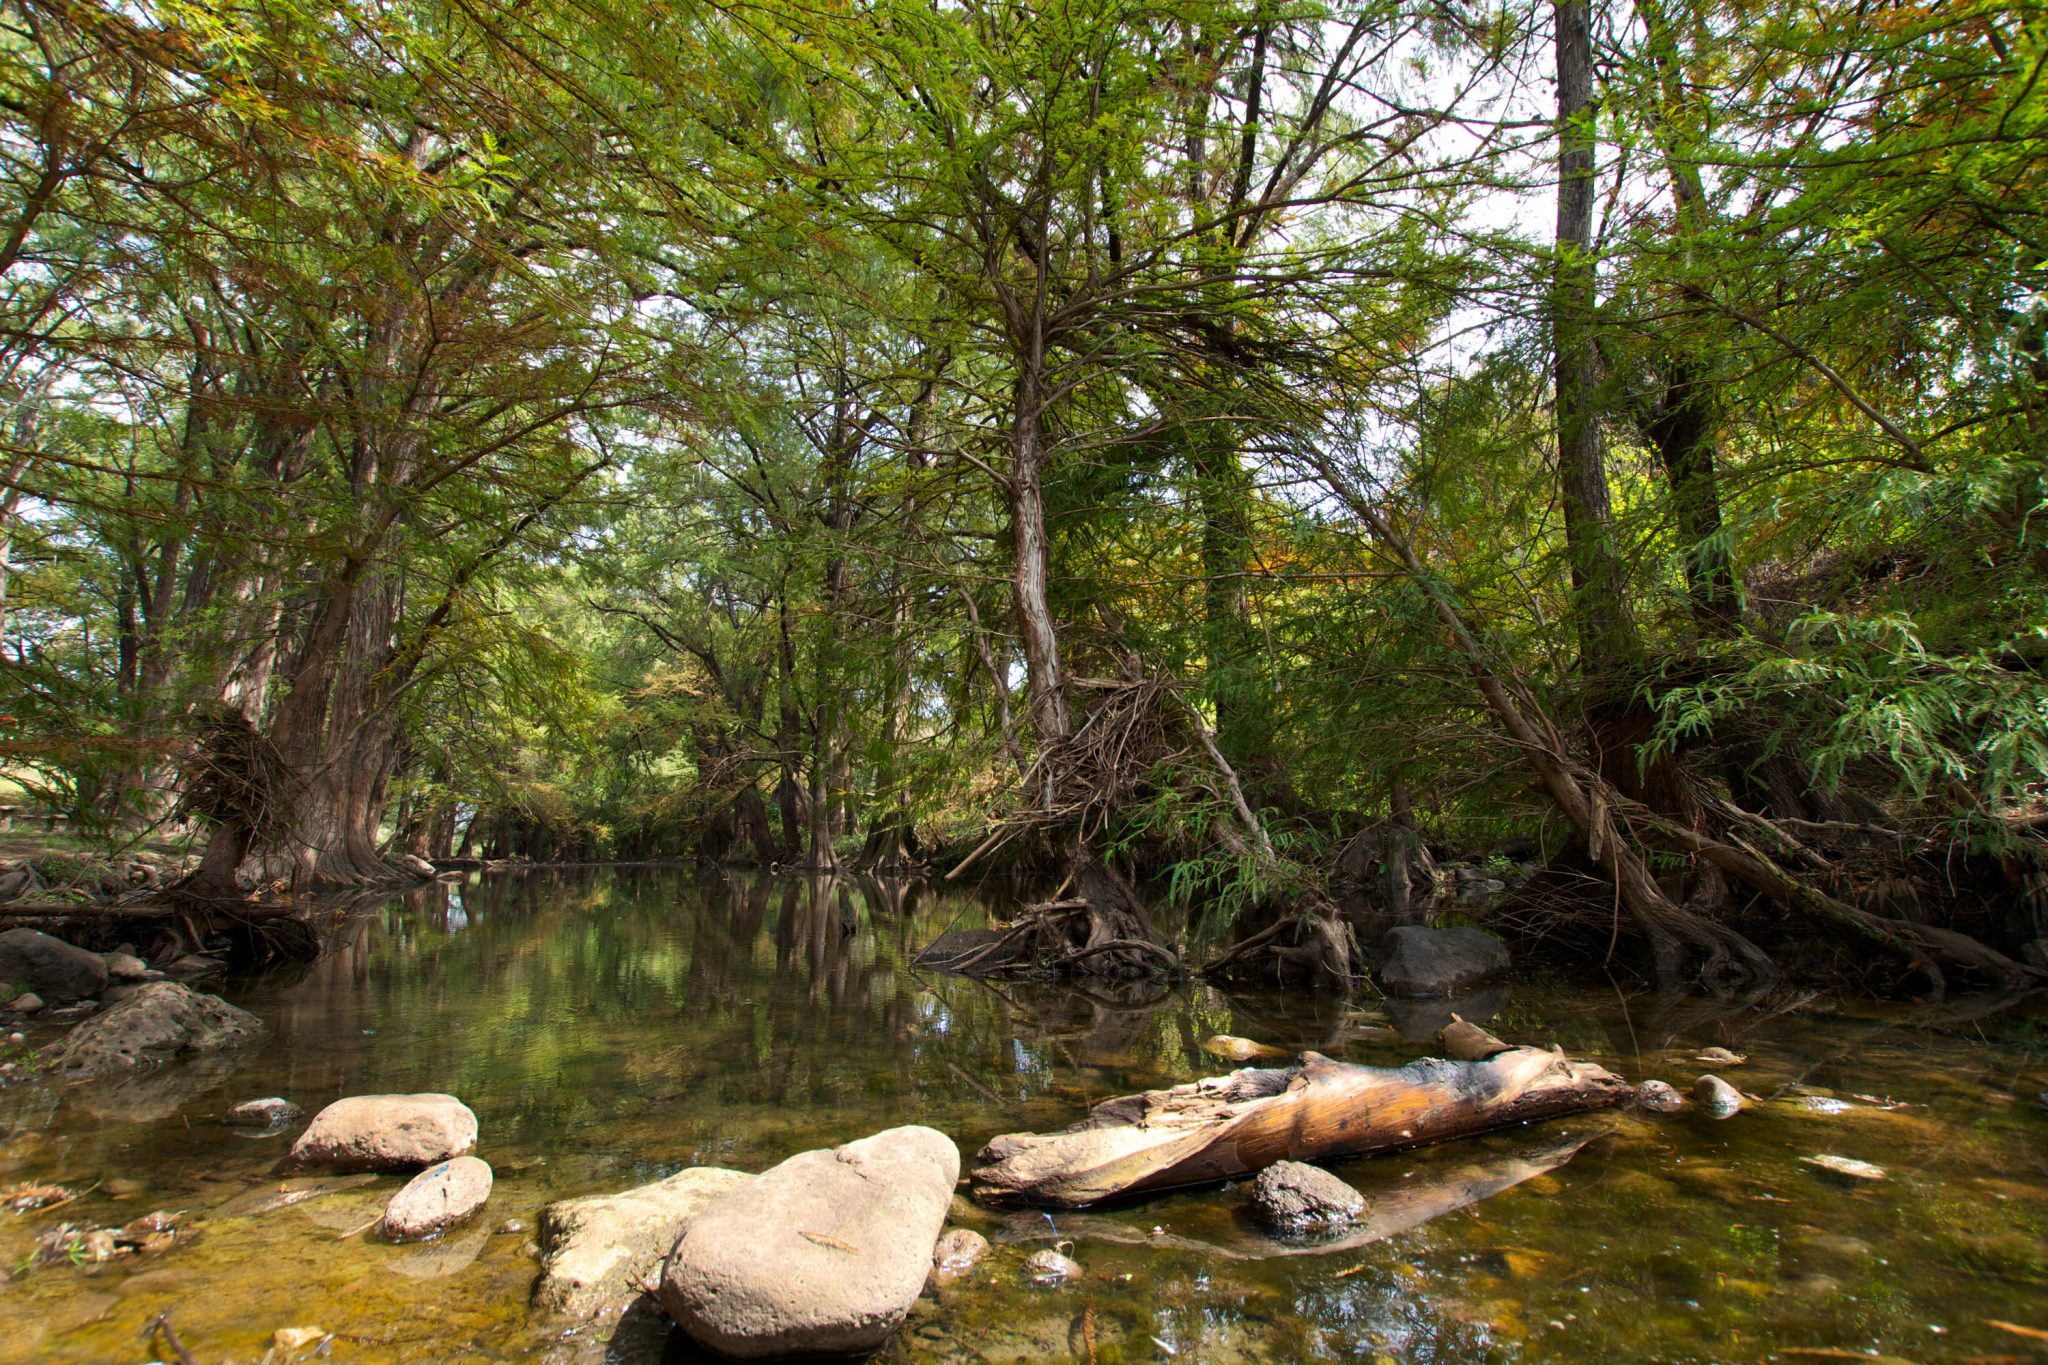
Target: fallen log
{"type": "Point", "coordinates": [1223, 1127]}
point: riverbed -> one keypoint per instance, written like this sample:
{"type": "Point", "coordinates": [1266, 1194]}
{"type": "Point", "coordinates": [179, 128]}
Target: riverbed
{"type": "Point", "coordinates": [611, 1026]}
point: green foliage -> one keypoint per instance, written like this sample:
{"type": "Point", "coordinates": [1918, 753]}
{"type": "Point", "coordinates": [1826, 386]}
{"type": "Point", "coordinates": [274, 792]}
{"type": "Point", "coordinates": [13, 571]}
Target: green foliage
{"type": "Point", "coordinates": [603, 426]}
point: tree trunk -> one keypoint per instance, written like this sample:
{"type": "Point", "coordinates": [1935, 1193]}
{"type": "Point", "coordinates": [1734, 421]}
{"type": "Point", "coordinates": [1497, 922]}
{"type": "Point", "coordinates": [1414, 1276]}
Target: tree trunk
{"type": "Point", "coordinates": [1113, 916]}
{"type": "Point", "coordinates": [1225, 1127]}
{"type": "Point", "coordinates": [1221, 492]}
{"type": "Point", "coordinates": [1606, 632]}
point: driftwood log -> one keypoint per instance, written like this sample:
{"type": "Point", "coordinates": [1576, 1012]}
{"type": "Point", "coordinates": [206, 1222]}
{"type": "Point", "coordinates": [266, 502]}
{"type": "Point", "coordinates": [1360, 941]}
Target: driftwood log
{"type": "Point", "coordinates": [1223, 1127]}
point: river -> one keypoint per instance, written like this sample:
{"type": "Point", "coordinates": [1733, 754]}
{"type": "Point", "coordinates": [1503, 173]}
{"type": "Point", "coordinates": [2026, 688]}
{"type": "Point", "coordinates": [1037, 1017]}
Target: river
{"type": "Point", "coordinates": [610, 1026]}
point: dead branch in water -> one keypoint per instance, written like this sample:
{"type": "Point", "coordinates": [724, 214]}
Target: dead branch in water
{"type": "Point", "coordinates": [1228, 1126]}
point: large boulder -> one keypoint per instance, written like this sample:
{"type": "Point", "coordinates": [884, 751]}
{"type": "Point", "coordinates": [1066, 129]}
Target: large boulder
{"type": "Point", "coordinates": [1417, 962]}
{"type": "Point", "coordinates": [387, 1133]}
{"type": "Point", "coordinates": [438, 1198]}
{"type": "Point", "coordinates": [158, 1022]}
{"type": "Point", "coordinates": [823, 1254]}
{"type": "Point", "coordinates": [32, 960]}
{"type": "Point", "coordinates": [599, 1252]}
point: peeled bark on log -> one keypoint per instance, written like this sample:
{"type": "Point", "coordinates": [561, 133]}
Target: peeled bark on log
{"type": "Point", "coordinates": [1223, 1127]}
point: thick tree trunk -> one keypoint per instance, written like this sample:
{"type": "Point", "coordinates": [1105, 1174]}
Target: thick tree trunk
{"type": "Point", "coordinates": [1230, 1126]}
{"type": "Point", "coordinates": [1606, 633]}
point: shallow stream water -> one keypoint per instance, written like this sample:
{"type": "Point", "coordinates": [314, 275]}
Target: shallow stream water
{"type": "Point", "coordinates": [612, 1026]}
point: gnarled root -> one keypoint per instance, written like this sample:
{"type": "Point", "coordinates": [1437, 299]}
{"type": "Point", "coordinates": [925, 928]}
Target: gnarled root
{"type": "Point", "coordinates": [1314, 944]}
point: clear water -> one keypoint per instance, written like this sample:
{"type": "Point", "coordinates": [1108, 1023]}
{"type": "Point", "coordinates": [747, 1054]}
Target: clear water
{"type": "Point", "coordinates": [612, 1026]}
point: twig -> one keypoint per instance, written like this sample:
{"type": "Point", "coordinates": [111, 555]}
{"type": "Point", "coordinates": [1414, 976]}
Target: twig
{"type": "Point", "coordinates": [170, 1335]}
{"type": "Point", "coordinates": [1117, 944]}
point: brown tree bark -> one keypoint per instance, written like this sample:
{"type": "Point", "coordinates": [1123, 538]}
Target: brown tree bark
{"type": "Point", "coordinates": [1606, 631]}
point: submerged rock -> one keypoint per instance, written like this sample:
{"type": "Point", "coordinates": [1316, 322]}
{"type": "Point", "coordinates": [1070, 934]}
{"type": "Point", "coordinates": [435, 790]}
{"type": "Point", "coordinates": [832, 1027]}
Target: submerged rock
{"type": "Point", "coordinates": [1415, 961]}
{"type": "Point", "coordinates": [1720, 1056]}
{"type": "Point", "coordinates": [52, 968]}
{"type": "Point", "coordinates": [957, 1253]}
{"type": "Point", "coordinates": [1234, 1049]}
{"type": "Point", "coordinates": [387, 1133]}
{"type": "Point", "coordinates": [1659, 1097]}
{"type": "Point", "coordinates": [1846, 1168]}
{"type": "Point", "coordinates": [1718, 1098]}
{"type": "Point", "coordinates": [1051, 1267]}
{"type": "Point", "coordinates": [601, 1251]}
{"type": "Point", "coordinates": [159, 1022]}
{"type": "Point", "coordinates": [1294, 1195]}
{"type": "Point", "coordinates": [437, 1199]}
{"type": "Point", "coordinates": [822, 1254]}
{"type": "Point", "coordinates": [274, 1112]}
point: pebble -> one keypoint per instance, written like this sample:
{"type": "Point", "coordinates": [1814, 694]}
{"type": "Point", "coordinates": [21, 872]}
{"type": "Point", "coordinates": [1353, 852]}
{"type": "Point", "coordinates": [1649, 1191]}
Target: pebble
{"type": "Point", "coordinates": [1718, 1098]}
{"type": "Point", "coordinates": [28, 1002]}
{"type": "Point", "coordinates": [512, 1226]}
{"type": "Point", "coordinates": [956, 1254]}
{"type": "Point", "coordinates": [1659, 1097]}
{"type": "Point", "coordinates": [273, 1112]}
{"type": "Point", "coordinates": [1050, 1267]}
{"type": "Point", "coordinates": [294, 1338]}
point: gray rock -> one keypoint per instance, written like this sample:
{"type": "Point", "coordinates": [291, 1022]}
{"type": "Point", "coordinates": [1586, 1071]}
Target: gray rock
{"type": "Point", "coordinates": [128, 967]}
{"type": "Point", "coordinates": [601, 1251]}
{"type": "Point", "coordinates": [1292, 1194]}
{"type": "Point", "coordinates": [823, 1254]}
{"type": "Point", "coordinates": [159, 1022]}
{"type": "Point", "coordinates": [387, 1133]}
{"type": "Point", "coordinates": [437, 1199]}
{"type": "Point", "coordinates": [957, 1253]}
{"type": "Point", "coordinates": [52, 968]}
{"type": "Point", "coordinates": [28, 1002]}
{"type": "Point", "coordinates": [1659, 1097]}
{"type": "Point", "coordinates": [1718, 1098]}
{"type": "Point", "coordinates": [274, 1112]}
{"type": "Point", "coordinates": [1051, 1267]}
{"type": "Point", "coordinates": [1415, 961]}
